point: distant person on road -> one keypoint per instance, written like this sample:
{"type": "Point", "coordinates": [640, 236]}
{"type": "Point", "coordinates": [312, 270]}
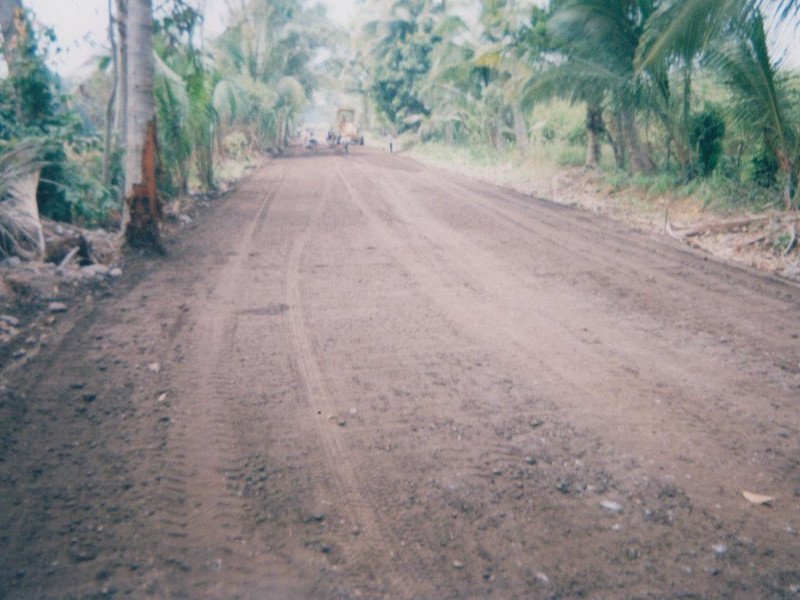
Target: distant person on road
{"type": "Point", "coordinates": [390, 140]}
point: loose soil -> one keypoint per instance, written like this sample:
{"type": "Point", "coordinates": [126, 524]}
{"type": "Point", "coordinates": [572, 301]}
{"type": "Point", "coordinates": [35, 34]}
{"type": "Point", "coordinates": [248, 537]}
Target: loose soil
{"type": "Point", "coordinates": [361, 377]}
{"type": "Point", "coordinates": [761, 244]}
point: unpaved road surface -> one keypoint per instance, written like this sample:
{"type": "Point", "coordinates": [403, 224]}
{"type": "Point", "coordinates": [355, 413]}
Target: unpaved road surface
{"type": "Point", "coordinates": [376, 380]}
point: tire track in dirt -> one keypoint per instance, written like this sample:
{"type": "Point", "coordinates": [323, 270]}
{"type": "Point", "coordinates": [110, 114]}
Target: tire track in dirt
{"type": "Point", "coordinates": [374, 547]}
{"type": "Point", "coordinates": [612, 368]}
{"type": "Point", "coordinates": [205, 517]}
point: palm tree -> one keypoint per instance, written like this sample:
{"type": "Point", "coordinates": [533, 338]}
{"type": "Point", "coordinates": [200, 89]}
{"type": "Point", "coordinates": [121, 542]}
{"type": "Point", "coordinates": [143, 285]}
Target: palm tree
{"type": "Point", "coordinates": [142, 212]}
{"type": "Point", "coordinates": [761, 96]}
{"type": "Point", "coordinates": [692, 24]}
{"type": "Point", "coordinates": [20, 228]}
{"type": "Point", "coordinates": [595, 64]}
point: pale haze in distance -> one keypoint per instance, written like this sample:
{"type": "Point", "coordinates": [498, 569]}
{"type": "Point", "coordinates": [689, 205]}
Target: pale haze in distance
{"type": "Point", "coordinates": [82, 25]}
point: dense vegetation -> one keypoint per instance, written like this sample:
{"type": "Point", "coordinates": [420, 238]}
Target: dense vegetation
{"type": "Point", "coordinates": [229, 98]}
{"type": "Point", "coordinates": [687, 88]}
{"type": "Point", "coordinates": [678, 90]}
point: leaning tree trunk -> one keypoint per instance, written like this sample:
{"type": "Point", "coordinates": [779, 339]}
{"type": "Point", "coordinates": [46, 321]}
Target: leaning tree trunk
{"type": "Point", "coordinates": [142, 214]}
{"type": "Point", "coordinates": [640, 160]}
{"type": "Point", "coordinates": [595, 127]}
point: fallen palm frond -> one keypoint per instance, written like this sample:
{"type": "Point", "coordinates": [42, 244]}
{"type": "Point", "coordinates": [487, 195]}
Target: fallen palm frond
{"type": "Point", "coordinates": [20, 228]}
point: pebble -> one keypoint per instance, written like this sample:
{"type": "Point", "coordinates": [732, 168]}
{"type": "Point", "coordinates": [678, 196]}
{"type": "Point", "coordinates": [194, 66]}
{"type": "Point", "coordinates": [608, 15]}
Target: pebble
{"type": "Point", "coordinates": [57, 307]}
{"type": "Point", "coordinates": [530, 460]}
{"type": "Point", "coordinates": [719, 549]}
{"type": "Point", "coordinates": [542, 577]}
{"type": "Point", "coordinates": [457, 564]}
{"type": "Point", "coordinates": [13, 321]}
{"type": "Point", "coordinates": [155, 367]}
{"type": "Point", "coordinates": [115, 272]}
{"type": "Point", "coordinates": [342, 423]}
{"type": "Point", "coordinates": [20, 353]}
{"type": "Point", "coordinates": [90, 271]}
{"type": "Point", "coordinates": [611, 506]}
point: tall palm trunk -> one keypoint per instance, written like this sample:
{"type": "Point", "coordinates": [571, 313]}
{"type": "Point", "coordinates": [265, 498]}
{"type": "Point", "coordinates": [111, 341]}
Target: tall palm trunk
{"type": "Point", "coordinates": [141, 217]}
{"type": "Point", "coordinates": [112, 100]}
{"type": "Point", "coordinates": [595, 127]}
{"type": "Point", "coordinates": [617, 139]}
{"type": "Point", "coordinates": [121, 115]}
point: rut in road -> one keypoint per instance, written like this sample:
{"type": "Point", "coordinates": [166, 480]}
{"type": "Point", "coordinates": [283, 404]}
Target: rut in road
{"type": "Point", "coordinates": [206, 514]}
{"type": "Point", "coordinates": [381, 380]}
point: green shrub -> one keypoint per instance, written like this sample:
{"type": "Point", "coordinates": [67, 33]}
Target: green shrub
{"type": "Point", "coordinates": [577, 136]}
{"type": "Point", "coordinates": [763, 169]}
{"type": "Point", "coordinates": [707, 133]}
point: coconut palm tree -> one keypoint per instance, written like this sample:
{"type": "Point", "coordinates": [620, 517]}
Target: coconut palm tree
{"type": "Point", "coordinates": [689, 25]}
{"type": "Point", "coordinates": [142, 211]}
{"type": "Point", "coordinates": [595, 64]}
{"type": "Point", "coordinates": [762, 97]}
{"type": "Point", "coordinates": [20, 228]}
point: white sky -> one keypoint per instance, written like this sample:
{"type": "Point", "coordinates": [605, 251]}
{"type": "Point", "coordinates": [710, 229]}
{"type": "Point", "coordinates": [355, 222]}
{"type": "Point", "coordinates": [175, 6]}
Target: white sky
{"type": "Point", "coordinates": [81, 27]}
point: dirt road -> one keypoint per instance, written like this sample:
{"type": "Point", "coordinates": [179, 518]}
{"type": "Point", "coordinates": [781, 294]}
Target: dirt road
{"type": "Point", "coordinates": [358, 377]}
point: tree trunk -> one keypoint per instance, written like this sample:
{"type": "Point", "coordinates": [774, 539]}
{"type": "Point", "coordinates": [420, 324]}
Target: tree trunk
{"type": "Point", "coordinates": [595, 127]}
{"type": "Point", "coordinates": [279, 134]}
{"type": "Point", "coordinates": [640, 160]}
{"type": "Point", "coordinates": [11, 12]}
{"type": "Point", "coordinates": [683, 144]}
{"type": "Point", "coordinates": [520, 128]}
{"type": "Point", "coordinates": [121, 116]}
{"type": "Point", "coordinates": [617, 140]}
{"type": "Point", "coordinates": [790, 189]}
{"type": "Point", "coordinates": [112, 100]}
{"type": "Point", "coordinates": [142, 213]}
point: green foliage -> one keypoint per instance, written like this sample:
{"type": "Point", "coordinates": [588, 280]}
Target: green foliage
{"type": "Point", "coordinates": [408, 38]}
{"type": "Point", "coordinates": [707, 130]}
{"type": "Point", "coordinates": [32, 106]}
{"type": "Point", "coordinates": [763, 169]}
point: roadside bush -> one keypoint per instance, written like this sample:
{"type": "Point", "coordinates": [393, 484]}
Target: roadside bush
{"type": "Point", "coordinates": [577, 136]}
{"type": "Point", "coordinates": [707, 133]}
{"type": "Point", "coordinates": [763, 169]}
